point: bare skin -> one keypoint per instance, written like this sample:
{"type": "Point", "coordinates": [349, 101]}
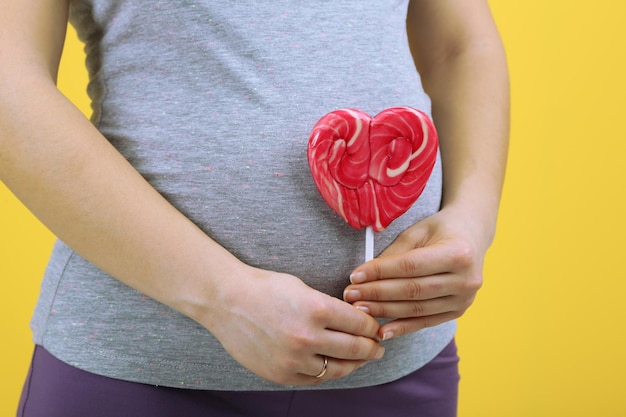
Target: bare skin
{"type": "Point", "coordinates": [432, 272]}
{"type": "Point", "coordinates": [54, 160]}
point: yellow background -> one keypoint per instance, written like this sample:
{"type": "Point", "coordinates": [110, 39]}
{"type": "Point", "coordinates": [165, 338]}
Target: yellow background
{"type": "Point", "coordinates": [546, 335]}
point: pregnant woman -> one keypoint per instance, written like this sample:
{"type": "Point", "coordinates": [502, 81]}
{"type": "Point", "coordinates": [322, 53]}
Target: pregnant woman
{"type": "Point", "coordinates": [198, 271]}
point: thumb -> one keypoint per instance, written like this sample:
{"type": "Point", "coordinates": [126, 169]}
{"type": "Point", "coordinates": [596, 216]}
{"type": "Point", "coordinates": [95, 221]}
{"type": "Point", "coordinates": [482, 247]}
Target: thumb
{"type": "Point", "coordinates": [412, 262]}
{"type": "Point", "coordinates": [378, 268]}
{"type": "Point", "coordinates": [414, 237]}
{"type": "Point", "coordinates": [403, 243]}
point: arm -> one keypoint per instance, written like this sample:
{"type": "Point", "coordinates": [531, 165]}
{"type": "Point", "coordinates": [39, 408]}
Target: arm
{"type": "Point", "coordinates": [432, 272]}
{"type": "Point", "coordinates": [79, 186]}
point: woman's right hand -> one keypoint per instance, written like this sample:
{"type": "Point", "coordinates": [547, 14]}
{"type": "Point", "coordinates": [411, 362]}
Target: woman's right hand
{"type": "Point", "coordinates": [281, 329]}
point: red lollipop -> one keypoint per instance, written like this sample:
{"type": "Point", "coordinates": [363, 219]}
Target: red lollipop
{"type": "Point", "coordinates": [371, 170]}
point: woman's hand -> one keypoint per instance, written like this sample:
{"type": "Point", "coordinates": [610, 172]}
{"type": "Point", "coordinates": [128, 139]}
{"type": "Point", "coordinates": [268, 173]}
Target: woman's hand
{"type": "Point", "coordinates": [281, 329]}
{"type": "Point", "coordinates": [429, 275]}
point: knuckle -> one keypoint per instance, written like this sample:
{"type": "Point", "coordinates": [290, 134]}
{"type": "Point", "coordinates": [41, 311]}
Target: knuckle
{"type": "Point", "coordinates": [412, 290]}
{"type": "Point", "coordinates": [354, 348]}
{"type": "Point", "coordinates": [359, 325]}
{"type": "Point", "coordinates": [375, 293]}
{"type": "Point", "coordinates": [437, 287]}
{"type": "Point", "coordinates": [416, 310]}
{"type": "Point", "coordinates": [401, 329]}
{"type": "Point", "coordinates": [380, 310]}
{"type": "Point", "coordinates": [408, 266]}
{"type": "Point", "coordinates": [371, 292]}
{"type": "Point", "coordinates": [301, 340]}
{"type": "Point", "coordinates": [365, 326]}
{"type": "Point", "coordinates": [474, 283]}
{"type": "Point", "coordinates": [320, 309]}
{"type": "Point", "coordinates": [463, 256]}
{"type": "Point", "coordinates": [376, 269]}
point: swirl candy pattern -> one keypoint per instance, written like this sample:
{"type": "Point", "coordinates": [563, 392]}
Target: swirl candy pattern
{"type": "Point", "coordinates": [370, 170]}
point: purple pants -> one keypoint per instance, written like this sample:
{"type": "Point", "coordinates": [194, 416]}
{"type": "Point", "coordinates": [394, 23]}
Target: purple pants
{"type": "Point", "coordinates": [55, 389]}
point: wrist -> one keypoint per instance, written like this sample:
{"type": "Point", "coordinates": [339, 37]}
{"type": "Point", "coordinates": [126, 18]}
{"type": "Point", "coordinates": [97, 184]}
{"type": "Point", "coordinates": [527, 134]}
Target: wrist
{"type": "Point", "coordinates": [209, 285]}
{"type": "Point", "coordinates": [480, 221]}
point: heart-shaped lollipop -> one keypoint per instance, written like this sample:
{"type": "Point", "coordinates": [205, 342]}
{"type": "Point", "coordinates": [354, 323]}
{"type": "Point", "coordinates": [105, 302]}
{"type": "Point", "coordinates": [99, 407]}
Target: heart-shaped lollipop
{"type": "Point", "coordinates": [370, 170]}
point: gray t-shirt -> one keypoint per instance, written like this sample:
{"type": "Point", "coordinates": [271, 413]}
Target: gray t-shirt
{"type": "Point", "coordinates": [213, 102]}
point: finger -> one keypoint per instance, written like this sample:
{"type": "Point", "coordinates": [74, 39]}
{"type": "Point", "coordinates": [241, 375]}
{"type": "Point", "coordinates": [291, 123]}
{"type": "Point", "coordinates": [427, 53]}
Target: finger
{"type": "Point", "coordinates": [329, 368]}
{"type": "Point", "coordinates": [406, 241]}
{"type": "Point", "coordinates": [322, 372]}
{"type": "Point", "coordinates": [408, 309]}
{"type": "Point", "coordinates": [429, 260]}
{"type": "Point", "coordinates": [404, 289]}
{"type": "Point", "coordinates": [346, 332]}
{"type": "Point", "coordinates": [401, 327]}
{"type": "Point", "coordinates": [348, 347]}
{"type": "Point", "coordinates": [317, 366]}
{"type": "Point", "coordinates": [343, 317]}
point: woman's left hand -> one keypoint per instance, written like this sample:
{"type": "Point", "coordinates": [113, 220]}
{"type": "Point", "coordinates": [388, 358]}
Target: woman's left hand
{"type": "Point", "coordinates": [429, 275]}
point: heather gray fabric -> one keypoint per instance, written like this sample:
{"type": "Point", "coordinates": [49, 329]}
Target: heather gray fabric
{"type": "Point", "coordinates": [213, 102]}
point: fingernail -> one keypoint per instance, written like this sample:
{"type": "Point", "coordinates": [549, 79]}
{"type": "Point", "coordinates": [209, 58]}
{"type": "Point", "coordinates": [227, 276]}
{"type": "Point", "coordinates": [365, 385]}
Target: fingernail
{"type": "Point", "coordinates": [387, 335]}
{"type": "Point", "coordinates": [380, 352]}
{"type": "Point", "coordinates": [357, 277]}
{"type": "Point", "coordinates": [363, 309]}
{"type": "Point", "coordinates": [351, 295]}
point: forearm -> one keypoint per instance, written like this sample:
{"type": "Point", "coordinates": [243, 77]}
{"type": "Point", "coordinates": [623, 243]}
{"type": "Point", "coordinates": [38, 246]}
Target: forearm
{"type": "Point", "coordinates": [463, 68]}
{"type": "Point", "coordinates": [80, 187]}
{"type": "Point", "coordinates": [88, 194]}
{"type": "Point", "coordinates": [432, 272]}
{"type": "Point", "coordinates": [471, 109]}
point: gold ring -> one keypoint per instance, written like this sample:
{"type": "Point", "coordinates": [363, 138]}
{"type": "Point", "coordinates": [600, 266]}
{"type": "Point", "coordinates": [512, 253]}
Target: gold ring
{"type": "Point", "coordinates": [321, 374]}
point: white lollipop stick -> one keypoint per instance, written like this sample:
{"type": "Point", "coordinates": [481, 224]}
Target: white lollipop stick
{"type": "Point", "coordinates": [369, 243]}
